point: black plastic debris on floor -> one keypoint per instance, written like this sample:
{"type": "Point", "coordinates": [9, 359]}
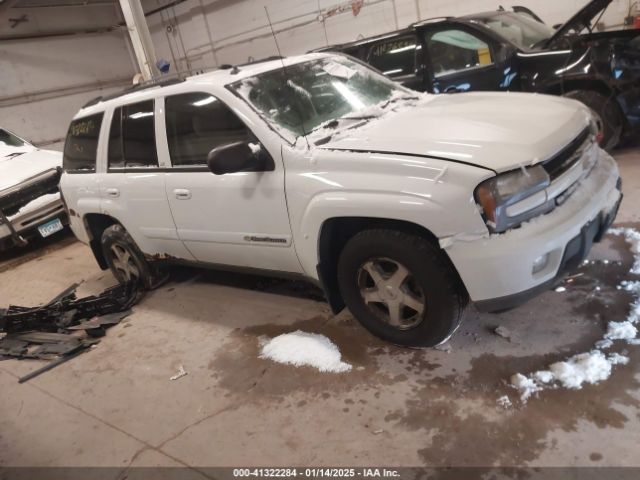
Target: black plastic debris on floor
{"type": "Point", "coordinates": [65, 327]}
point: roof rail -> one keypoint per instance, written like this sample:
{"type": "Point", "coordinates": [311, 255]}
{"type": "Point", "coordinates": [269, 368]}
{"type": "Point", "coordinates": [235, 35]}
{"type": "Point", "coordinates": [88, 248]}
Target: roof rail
{"type": "Point", "coordinates": [430, 20]}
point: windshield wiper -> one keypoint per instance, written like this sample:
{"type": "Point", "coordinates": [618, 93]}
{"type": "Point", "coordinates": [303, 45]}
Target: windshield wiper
{"type": "Point", "coordinates": [394, 100]}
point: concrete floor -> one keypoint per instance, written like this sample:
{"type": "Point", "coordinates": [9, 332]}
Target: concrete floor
{"type": "Point", "coordinates": [115, 405]}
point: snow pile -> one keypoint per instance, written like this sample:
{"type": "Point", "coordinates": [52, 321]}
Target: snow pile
{"type": "Point", "coordinates": [525, 385]}
{"type": "Point", "coordinates": [594, 366]}
{"type": "Point", "coordinates": [591, 367]}
{"type": "Point", "coordinates": [633, 238]}
{"type": "Point", "coordinates": [621, 331]}
{"type": "Point", "coordinates": [301, 348]}
{"type": "Point", "coordinates": [504, 402]}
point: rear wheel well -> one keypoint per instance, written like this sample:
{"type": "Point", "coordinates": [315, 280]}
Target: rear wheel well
{"type": "Point", "coordinates": [95, 224]}
{"type": "Point", "coordinates": [336, 232]}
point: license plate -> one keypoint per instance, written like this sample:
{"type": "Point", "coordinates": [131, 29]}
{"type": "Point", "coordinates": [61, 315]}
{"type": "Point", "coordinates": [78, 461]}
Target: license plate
{"type": "Point", "coordinates": [50, 228]}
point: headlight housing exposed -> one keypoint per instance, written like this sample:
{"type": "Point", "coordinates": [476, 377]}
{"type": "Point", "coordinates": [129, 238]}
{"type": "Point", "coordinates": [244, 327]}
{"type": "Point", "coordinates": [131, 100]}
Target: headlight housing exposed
{"type": "Point", "coordinates": [511, 198]}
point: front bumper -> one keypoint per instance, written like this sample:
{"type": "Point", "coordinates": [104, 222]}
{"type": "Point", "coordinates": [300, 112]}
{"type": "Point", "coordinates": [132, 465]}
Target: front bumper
{"type": "Point", "coordinates": [28, 205]}
{"type": "Point", "coordinates": [26, 224]}
{"type": "Point", "coordinates": [497, 270]}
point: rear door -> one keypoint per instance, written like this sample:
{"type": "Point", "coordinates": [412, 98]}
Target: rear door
{"type": "Point", "coordinates": [399, 58]}
{"type": "Point", "coordinates": [238, 219]}
{"type": "Point", "coordinates": [460, 59]}
{"type": "Point", "coordinates": [133, 187]}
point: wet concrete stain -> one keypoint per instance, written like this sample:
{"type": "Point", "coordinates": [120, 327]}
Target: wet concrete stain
{"type": "Point", "coordinates": [453, 407]}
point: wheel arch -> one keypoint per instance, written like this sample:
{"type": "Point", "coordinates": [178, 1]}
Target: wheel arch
{"type": "Point", "coordinates": [334, 234]}
{"type": "Point", "coordinates": [95, 224]}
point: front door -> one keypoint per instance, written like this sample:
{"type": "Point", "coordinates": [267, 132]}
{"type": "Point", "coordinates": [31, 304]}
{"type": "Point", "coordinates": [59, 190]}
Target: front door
{"type": "Point", "coordinates": [399, 58]}
{"type": "Point", "coordinates": [460, 59]}
{"type": "Point", "coordinates": [238, 219]}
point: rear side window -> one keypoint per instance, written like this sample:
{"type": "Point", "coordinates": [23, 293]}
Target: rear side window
{"type": "Point", "coordinates": [196, 124]}
{"type": "Point", "coordinates": [394, 57]}
{"type": "Point", "coordinates": [81, 145]}
{"type": "Point", "coordinates": [132, 137]}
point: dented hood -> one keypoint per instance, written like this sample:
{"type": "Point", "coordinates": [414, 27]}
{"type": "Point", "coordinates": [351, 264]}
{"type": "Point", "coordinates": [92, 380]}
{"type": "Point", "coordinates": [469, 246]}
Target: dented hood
{"type": "Point", "coordinates": [16, 169]}
{"type": "Point", "coordinates": [498, 131]}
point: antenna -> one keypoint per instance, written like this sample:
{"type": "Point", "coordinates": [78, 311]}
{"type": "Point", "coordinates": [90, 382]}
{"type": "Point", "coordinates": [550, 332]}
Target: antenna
{"type": "Point", "coordinates": [286, 77]}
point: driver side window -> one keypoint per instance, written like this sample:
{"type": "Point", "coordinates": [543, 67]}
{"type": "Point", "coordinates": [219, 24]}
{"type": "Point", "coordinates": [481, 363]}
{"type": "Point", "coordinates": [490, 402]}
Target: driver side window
{"type": "Point", "coordinates": [454, 50]}
{"type": "Point", "coordinates": [196, 124]}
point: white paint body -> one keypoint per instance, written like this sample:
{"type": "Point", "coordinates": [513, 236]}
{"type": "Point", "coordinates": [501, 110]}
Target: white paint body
{"type": "Point", "coordinates": [18, 164]}
{"type": "Point", "coordinates": [420, 165]}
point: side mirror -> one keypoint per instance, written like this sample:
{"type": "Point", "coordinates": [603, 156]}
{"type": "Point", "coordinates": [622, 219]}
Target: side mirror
{"type": "Point", "coordinates": [239, 157]}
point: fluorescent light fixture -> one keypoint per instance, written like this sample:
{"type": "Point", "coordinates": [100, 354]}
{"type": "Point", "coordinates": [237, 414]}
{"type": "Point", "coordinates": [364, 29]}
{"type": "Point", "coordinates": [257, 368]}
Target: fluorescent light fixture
{"type": "Point", "coordinates": [391, 72]}
{"type": "Point", "coordinates": [138, 115]}
{"type": "Point", "coordinates": [403, 49]}
{"type": "Point", "coordinates": [204, 101]}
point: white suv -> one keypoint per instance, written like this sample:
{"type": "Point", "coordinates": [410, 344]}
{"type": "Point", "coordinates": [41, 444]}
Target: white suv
{"type": "Point", "coordinates": [402, 206]}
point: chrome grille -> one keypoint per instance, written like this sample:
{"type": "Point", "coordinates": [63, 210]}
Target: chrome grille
{"type": "Point", "coordinates": [568, 156]}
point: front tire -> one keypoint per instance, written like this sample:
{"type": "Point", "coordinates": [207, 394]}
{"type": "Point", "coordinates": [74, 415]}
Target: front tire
{"type": "Point", "coordinates": [607, 113]}
{"type": "Point", "coordinates": [125, 260]}
{"type": "Point", "coordinates": [401, 288]}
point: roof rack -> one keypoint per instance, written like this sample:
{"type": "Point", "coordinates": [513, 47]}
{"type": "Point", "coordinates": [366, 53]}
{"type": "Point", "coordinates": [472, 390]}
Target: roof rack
{"type": "Point", "coordinates": [161, 82]}
{"type": "Point", "coordinates": [177, 77]}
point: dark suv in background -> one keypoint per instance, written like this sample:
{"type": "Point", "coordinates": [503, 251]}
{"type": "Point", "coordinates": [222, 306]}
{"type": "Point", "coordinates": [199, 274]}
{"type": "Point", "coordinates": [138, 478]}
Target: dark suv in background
{"type": "Point", "coordinates": [509, 51]}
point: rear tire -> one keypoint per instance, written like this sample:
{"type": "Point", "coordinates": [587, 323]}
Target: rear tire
{"type": "Point", "coordinates": [401, 288]}
{"type": "Point", "coordinates": [607, 113]}
{"type": "Point", "coordinates": [125, 260]}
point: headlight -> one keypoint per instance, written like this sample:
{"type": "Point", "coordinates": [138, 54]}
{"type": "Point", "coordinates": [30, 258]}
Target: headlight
{"type": "Point", "coordinates": [510, 198]}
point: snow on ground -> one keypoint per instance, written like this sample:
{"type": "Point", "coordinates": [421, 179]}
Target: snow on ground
{"type": "Point", "coordinates": [301, 348]}
{"type": "Point", "coordinates": [594, 366]}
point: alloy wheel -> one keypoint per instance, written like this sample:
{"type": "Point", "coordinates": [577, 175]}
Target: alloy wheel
{"type": "Point", "coordinates": [123, 262]}
{"type": "Point", "coordinates": [389, 289]}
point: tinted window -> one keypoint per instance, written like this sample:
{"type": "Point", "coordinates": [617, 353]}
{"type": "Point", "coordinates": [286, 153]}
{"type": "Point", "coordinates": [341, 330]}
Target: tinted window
{"type": "Point", "coordinates": [452, 51]}
{"type": "Point", "coordinates": [10, 139]}
{"type": "Point", "coordinates": [132, 138]}
{"type": "Point", "coordinates": [394, 57]}
{"type": "Point", "coordinates": [114, 151]}
{"type": "Point", "coordinates": [196, 124]}
{"type": "Point", "coordinates": [82, 144]}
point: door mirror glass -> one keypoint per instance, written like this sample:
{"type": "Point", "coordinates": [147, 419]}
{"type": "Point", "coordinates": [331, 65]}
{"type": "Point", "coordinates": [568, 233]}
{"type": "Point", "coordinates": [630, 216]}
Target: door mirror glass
{"type": "Point", "coordinates": [239, 157]}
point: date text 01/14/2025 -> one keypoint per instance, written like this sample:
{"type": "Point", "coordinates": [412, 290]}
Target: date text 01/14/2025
{"type": "Point", "coordinates": [316, 472]}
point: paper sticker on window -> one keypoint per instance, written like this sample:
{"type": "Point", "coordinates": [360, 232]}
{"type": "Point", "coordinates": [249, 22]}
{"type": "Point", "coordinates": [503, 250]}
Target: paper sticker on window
{"type": "Point", "coordinates": [338, 70]}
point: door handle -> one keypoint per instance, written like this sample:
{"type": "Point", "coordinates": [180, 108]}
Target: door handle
{"type": "Point", "coordinates": [182, 194]}
{"type": "Point", "coordinates": [113, 192]}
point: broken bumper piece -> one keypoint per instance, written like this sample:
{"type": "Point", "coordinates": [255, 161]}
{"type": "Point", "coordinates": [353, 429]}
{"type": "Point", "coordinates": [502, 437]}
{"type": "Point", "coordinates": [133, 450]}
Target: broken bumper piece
{"type": "Point", "coordinates": [64, 327]}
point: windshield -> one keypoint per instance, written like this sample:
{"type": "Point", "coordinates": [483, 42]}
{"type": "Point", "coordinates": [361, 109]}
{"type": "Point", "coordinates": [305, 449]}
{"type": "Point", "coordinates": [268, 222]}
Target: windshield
{"type": "Point", "coordinates": [519, 29]}
{"type": "Point", "coordinates": [310, 94]}
{"type": "Point", "coordinates": [10, 140]}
